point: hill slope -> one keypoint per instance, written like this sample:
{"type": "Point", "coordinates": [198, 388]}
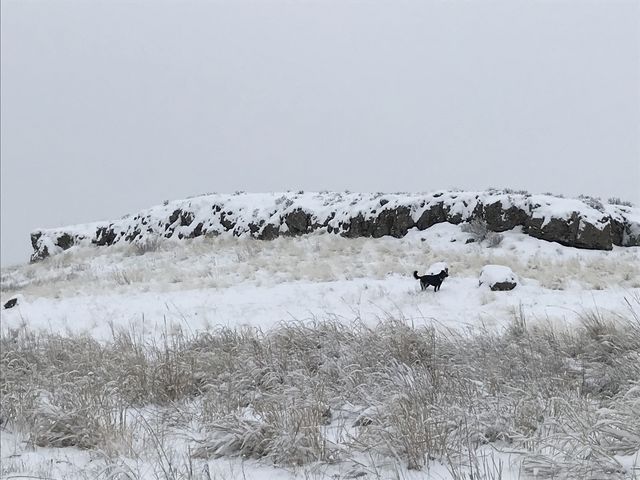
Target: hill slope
{"type": "Point", "coordinates": [582, 223]}
{"type": "Point", "coordinates": [317, 356]}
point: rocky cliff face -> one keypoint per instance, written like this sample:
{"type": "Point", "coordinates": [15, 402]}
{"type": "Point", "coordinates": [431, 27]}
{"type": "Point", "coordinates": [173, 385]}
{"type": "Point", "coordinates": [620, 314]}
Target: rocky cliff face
{"type": "Point", "coordinates": [576, 223]}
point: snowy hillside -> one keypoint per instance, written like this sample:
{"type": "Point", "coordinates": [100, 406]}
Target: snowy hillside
{"type": "Point", "coordinates": [582, 223]}
{"type": "Point", "coordinates": [317, 355]}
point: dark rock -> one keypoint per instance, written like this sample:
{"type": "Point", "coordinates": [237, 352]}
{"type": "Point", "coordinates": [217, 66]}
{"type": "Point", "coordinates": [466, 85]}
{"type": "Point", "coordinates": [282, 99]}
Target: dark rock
{"type": "Point", "coordinates": [197, 231]}
{"type": "Point", "coordinates": [298, 222]}
{"type": "Point", "coordinates": [571, 232]}
{"type": "Point", "coordinates": [255, 228]}
{"type": "Point", "coordinates": [436, 213]}
{"type": "Point", "coordinates": [357, 227]}
{"type": "Point", "coordinates": [269, 232]}
{"type": "Point", "coordinates": [39, 254]}
{"type": "Point", "coordinates": [594, 237]}
{"type": "Point", "coordinates": [186, 218]}
{"type": "Point", "coordinates": [227, 224]}
{"type": "Point", "coordinates": [35, 236]}
{"type": "Point", "coordinates": [173, 218]}
{"type": "Point", "coordinates": [500, 220]}
{"type": "Point", "coordinates": [11, 303]}
{"type": "Point", "coordinates": [553, 230]}
{"type": "Point", "coordinates": [325, 224]}
{"type": "Point", "coordinates": [456, 219]}
{"type": "Point", "coordinates": [631, 236]}
{"type": "Point", "coordinates": [392, 222]}
{"type": "Point", "coordinates": [617, 231]}
{"type": "Point", "coordinates": [503, 286]}
{"type": "Point", "coordinates": [105, 236]}
{"type": "Point", "coordinates": [470, 240]}
{"type": "Point", "coordinates": [65, 241]}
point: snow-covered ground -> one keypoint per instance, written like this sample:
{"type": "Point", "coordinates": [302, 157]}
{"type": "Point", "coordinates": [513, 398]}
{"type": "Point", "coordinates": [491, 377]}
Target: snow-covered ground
{"type": "Point", "coordinates": [198, 285]}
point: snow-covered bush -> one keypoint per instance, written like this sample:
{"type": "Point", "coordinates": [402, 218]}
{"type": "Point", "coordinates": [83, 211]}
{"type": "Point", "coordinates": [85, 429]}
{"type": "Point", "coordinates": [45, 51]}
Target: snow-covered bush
{"type": "Point", "coordinates": [146, 244]}
{"type": "Point", "coordinates": [593, 202]}
{"type": "Point", "coordinates": [479, 232]}
{"type": "Point", "coordinates": [477, 228]}
{"type": "Point", "coordinates": [494, 239]}
{"type": "Point", "coordinates": [619, 201]}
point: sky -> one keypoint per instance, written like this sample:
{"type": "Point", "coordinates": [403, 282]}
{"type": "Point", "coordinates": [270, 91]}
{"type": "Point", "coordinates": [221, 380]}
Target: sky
{"type": "Point", "coordinates": [112, 106]}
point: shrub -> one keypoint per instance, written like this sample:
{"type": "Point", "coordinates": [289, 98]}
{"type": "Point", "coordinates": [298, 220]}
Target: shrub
{"type": "Point", "coordinates": [479, 231]}
{"type": "Point", "coordinates": [592, 202]}
{"type": "Point", "coordinates": [146, 244]}
{"type": "Point", "coordinates": [619, 201]}
{"type": "Point", "coordinates": [494, 239]}
{"type": "Point", "coordinates": [477, 228]}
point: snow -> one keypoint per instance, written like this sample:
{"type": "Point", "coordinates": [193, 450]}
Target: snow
{"type": "Point", "coordinates": [546, 207]}
{"type": "Point", "coordinates": [492, 274]}
{"type": "Point", "coordinates": [200, 284]}
{"type": "Point", "coordinates": [335, 209]}
{"type": "Point", "coordinates": [437, 267]}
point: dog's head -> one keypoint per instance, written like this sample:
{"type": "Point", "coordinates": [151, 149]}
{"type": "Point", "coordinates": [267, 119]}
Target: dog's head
{"type": "Point", "coordinates": [444, 273]}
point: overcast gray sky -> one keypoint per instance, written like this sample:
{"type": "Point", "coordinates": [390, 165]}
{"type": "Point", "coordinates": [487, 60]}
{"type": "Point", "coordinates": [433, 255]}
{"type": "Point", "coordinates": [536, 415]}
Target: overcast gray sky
{"type": "Point", "coordinates": [113, 106]}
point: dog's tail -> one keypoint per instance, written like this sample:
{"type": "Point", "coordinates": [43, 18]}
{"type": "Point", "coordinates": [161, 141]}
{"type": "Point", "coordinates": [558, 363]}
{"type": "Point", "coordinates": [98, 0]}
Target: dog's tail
{"type": "Point", "coordinates": [415, 275]}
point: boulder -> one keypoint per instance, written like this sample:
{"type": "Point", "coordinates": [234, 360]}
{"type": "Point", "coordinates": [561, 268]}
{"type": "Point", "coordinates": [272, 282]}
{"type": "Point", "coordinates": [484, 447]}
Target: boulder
{"type": "Point", "coordinates": [436, 213]}
{"type": "Point", "coordinates": [594, 236]}
{"type": "Point", "coordinates": [65, 241]}
{"type": "Point", "coordinates": [500, 219]}
{"type": "Point", "coordinates": [298, 222]}
{"type": "Point", "coordinates": [574, 231]}
{"type": "Point", "coordinates": [186, 218]}
{"type": "Point", "coordinates": [104, 236]}
{"type": "Point", "coordinates": [357, 227]}
{"type": "Point", "coordinates": [395, 222]}
{"type": "Point", "coordinates": [269, 232]}
{"type": "Point", "coordinates": [498, 277]}
{"type": "Point", "coordinates": [226, 223]}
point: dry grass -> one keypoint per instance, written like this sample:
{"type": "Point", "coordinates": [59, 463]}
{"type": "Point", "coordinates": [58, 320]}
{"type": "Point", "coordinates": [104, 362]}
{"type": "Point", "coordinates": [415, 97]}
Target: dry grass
{"type": "Point", "coordinates": [567, 401]}
{"type": "Point", "coordinates": [223, 262]}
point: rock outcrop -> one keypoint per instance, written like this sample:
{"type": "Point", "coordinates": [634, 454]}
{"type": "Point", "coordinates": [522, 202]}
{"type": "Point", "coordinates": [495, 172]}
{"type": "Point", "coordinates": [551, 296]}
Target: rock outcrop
{"type": "Point", "coordinates": [569, 222]}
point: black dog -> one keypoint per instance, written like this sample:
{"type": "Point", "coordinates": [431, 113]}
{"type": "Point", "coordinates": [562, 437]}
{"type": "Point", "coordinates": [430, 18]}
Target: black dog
{"type": "Point", "coordinates": [435, 280]}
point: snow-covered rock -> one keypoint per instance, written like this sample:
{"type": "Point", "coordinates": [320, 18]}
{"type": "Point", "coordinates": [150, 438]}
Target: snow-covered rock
{"type": "Point", "coordinates": [498, 277]}
{"type": "Point", "coordinates": [571, 222]}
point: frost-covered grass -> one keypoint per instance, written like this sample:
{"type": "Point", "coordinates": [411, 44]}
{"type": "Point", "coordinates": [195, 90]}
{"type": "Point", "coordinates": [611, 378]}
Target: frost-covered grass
{"type": "Point", "coordinates": [218, 358]}
{"type": "Point", "coordinates": [219, 262]}
{"type": "Point", "coordinates": [325, 396]}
